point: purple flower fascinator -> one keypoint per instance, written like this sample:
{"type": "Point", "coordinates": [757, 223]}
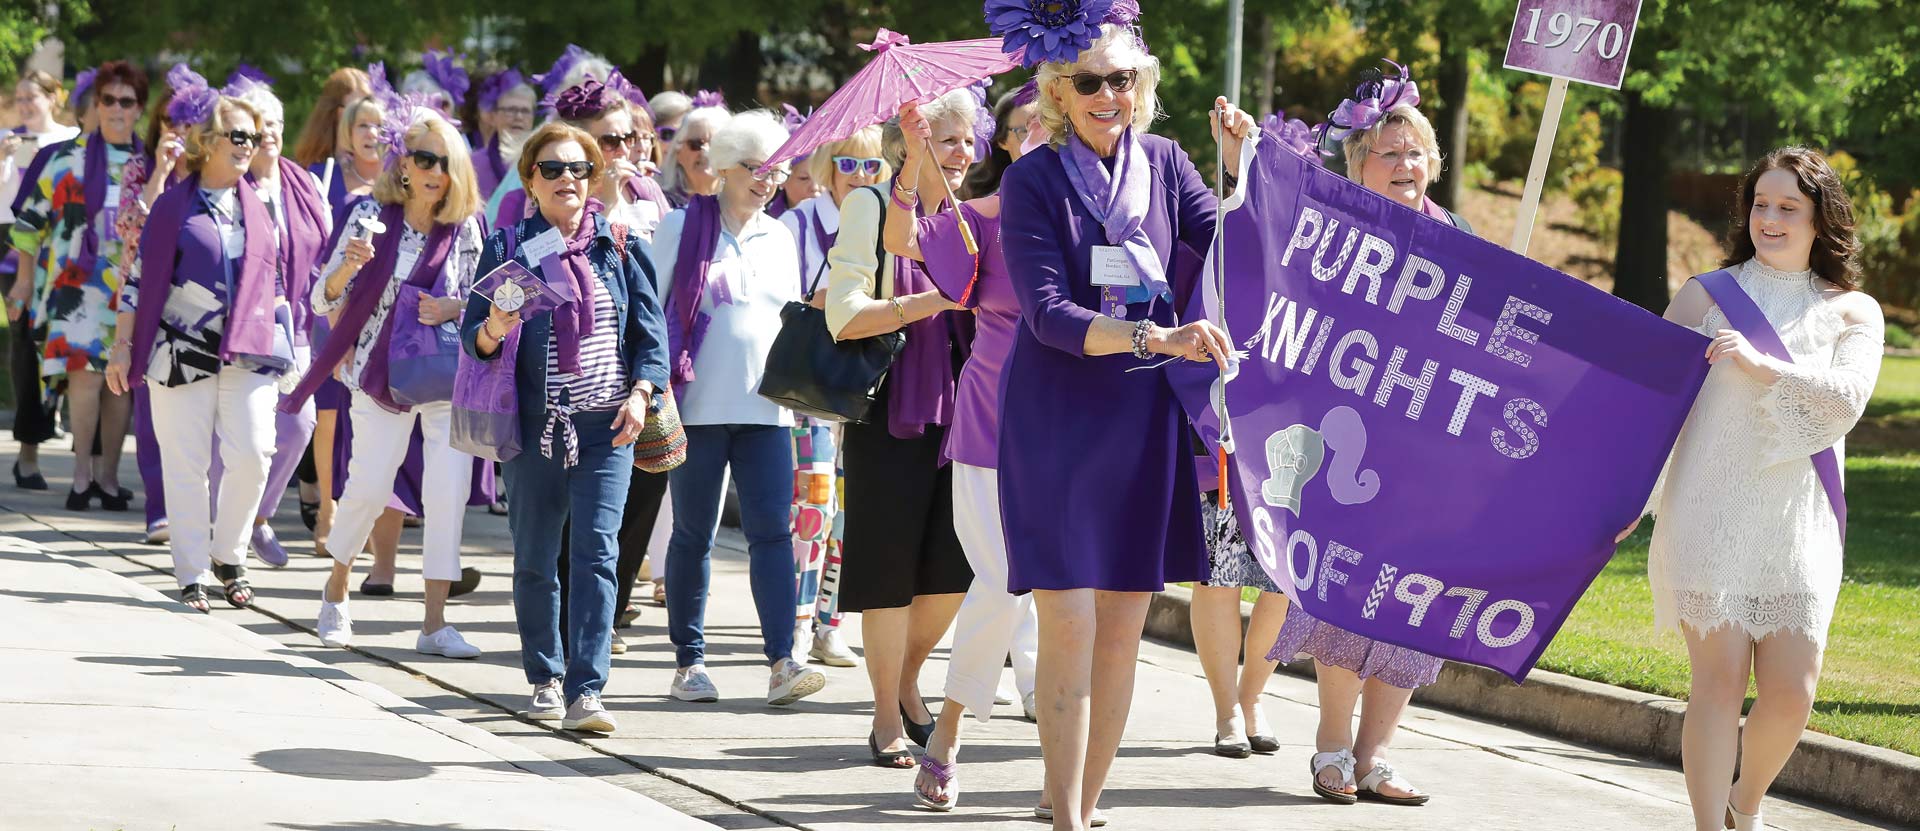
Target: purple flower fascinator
{"type": "Point", "coordinates": [791, 117]}
{"type": "Point", "coordinates": [555, 75]}
{"type": "Point", "coordinates": [982, 121]}
{"type": "Point", "coordinates": [401, 112]}
{"type": "Point", "coordinates": [498, 84]}
{"type": "Point", "coordinates": [709, 98]}
{"type": "Point", "coordinates": [193, 101]}
{"type": "Point", "coordinates": [444, 68]}
{"type": "Point", "coordinates": [1028, 92]}
{"type": "Point", "coordinates": [82, 84]}
{"type": "Point", "coordinates": [245, 77]}
{"type": "Point", "coordinates": [582, 101]}
{"type": "Point", "coordinates": [1046, 31]}
{"type": "Point", "coordinates": [1376, 96]}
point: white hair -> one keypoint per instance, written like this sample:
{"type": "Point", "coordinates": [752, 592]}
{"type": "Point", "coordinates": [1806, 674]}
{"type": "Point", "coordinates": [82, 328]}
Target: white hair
{"type": "Point", "coordinates": [669, 105]}
{"type": "Point", "coordinates": [754, 134]}
{"type": "Point", "coordinates": [955, 109]}
{"type": "Point", "coordinates": [1120, 46]}
{"type": "Point", "coordinates": [590, 66]}
{"type": "Point", "coordinates": [714, 119]}
{"type": "Point", "coordinates": [262, 98]}
{"type": "Point", "coordinates": [419, 81]}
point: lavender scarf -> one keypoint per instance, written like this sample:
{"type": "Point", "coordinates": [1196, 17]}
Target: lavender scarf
{"type": "Point", "coordinates": [1119, 200]}
{"type": "Point", "coordinates": [250, 326]}
{"type": "Point", "coordinates": [686, 324]}
{"type": "Point", "coordinates": [308, 223]}
{"type": "Point", "coordinates": [94, 179]}
{"type": "Point", "coordinates": [571, 264]}
{"type": "Point", "coordinates": [920, 385]}
{"type": "Point", "coordinates": [363, 297]}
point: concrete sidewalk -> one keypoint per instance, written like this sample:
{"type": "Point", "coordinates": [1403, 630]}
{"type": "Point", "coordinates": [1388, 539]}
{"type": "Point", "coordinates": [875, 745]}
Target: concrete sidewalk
{"type": "Point", "coordinates": [742, 764]}
{"type": "Point", "coordinates": [121, 711]}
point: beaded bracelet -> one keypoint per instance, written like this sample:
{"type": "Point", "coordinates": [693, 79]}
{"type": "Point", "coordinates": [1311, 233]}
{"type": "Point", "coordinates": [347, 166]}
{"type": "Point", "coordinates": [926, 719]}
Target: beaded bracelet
{"type": "Point", "coordinates": [1140, 339]}
{"type": "Point", "coordinates": [902, 204]}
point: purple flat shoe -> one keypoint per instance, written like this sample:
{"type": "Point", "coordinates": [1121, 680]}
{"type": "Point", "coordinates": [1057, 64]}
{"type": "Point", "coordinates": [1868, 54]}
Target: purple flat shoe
{"type": "Point", "coordinates": [267, 547]}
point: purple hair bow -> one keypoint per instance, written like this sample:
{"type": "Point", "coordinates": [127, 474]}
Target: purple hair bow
{"type": "Point", "coordinates": [193, 101]}
{"type": "Point", "coordinates": [1376, 96]}
{"type": "Point", "coordinates": [581, 101]}
{"type": "Point", "coordinates": [628, 90]}
{"type": "Point", "coordinates": [497, 85]}
{"type": "Point", "coordinates": [82, 83]}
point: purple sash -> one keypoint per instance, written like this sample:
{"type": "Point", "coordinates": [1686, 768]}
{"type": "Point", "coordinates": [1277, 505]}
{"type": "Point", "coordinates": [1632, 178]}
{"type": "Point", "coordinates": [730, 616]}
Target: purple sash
{"type": "Point", "coordinates": [308, 220]}
{"type": "Point", "coordinates": [686, 324]}
{"type": "Point", "coordinates": [94, 179]}
{"type": "Point", "coordinates": [1743, 315]}
{"type": "Point", "coordinates": [250, 324]}
{"type": "Point", "coordinates": [363, 296]}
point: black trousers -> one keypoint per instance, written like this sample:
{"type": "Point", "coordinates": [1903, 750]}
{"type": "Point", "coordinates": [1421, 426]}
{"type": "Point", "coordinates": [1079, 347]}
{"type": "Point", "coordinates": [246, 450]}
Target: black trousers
{"type": "Point", "coordinates": [33, 421]}
{"type": "Point", "coordinates": [644, 496]}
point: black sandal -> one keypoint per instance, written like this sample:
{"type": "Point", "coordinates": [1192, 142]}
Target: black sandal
{"type": "Point", "coordinates": [310, 514]}
{"type": "Point", "coordinates": [917, 732]}
{"type": "Point", "coordinates": [234, 580]}
{"type": "Point", "coordinates": [195, 596]}
{"type": "Point", "coordinates": [469, 580]}
{"type": "Point", "coordinates": [898, 760]}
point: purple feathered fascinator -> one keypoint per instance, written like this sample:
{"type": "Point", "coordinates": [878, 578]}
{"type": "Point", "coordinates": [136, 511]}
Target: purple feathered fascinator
{"type": "Point", "coordinates": [1376, 96]}
{"type": "Point", "coordinates": [982, 121]}
{"type": "Point", "coordinates": [193, 101]}
{"type": "Point", "coordinates": [628, 90]}
{"type": "Point", "coordinates": [709, 98]}
{"type": "Point", "coordinates": [82, 83]}
{"type": "Point", "coordinates": [244, 78]}
{"type": "Point", "coordinates": [444, 68]}
{"type": "Point", "coordinates": [555, 75]}
{"type": "Point", "coordinates": [498, 84]}
{"type": "Point", "coordinates": [584, 100]}
{"type": "Point", "coordinates": [1049, 31]}
{"type": "Point", "coordinates": [401, 112]}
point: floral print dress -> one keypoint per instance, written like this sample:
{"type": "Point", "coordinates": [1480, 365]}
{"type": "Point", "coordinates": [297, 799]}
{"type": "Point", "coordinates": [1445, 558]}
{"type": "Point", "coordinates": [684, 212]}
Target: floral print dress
{"type": "Point", "coordinates": [74, 306]}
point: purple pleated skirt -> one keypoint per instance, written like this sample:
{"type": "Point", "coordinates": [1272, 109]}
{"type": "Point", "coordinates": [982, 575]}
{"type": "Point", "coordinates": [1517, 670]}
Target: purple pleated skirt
{"type": "Point", "coordinates": [1397, 666]}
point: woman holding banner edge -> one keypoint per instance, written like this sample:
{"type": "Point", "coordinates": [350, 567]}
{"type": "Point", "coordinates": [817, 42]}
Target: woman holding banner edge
{"type": "Point", "coordinates": [1746, 559]}
{"type": "Point", "coordinates": [1391, 149]}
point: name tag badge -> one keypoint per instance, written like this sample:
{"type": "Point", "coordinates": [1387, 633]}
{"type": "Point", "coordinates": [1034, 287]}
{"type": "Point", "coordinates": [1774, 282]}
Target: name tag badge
{"type": "Point", "coordinates": [113, 195]}
{"type": "Point", "coordinates": [545, 245]}
{"type": "Point", "coordinates": [1111, 267]}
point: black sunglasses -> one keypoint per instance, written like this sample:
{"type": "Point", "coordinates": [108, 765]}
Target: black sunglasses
{"type": "Point", "coordinates": [427, 160]}
{"type": "Point", "coordinates": [125, 103]}
{"type": "Point", "coordinates": [552, 170]}
{"type": "Point", "coordinates": [242, 138]}
{"type": "Point", "coordinates": [696, 145]}
{"type": "Point", "coordinates": [667, 133]}
{"type": "Point", "coordinates": [1087, 83]}
{"type": "Point", "coordinates": [612, 141]}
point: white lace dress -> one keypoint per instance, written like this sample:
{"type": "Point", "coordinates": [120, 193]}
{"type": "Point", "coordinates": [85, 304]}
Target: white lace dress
{"type": "Point", "coordinates": [1746, 536]}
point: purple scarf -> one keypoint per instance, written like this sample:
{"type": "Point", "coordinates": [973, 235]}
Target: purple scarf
{"type": "Point", "coordinates": [778, 204]}
{"type": "Point", "coordinates": [1119, 200]}
{"type": "Point", "coordinates": [94, 179]}
{"type": "Point", "coordinates": [573, 265]}
{"type": "Point", "coordinates": [645, 189]}
{"type": "Point", "coordinates": [493, 167]}
{"type": "Point", "coordinates": [363, 296]}
{"type": "Point", "coordinates": [308, 225]}
{"type": "Point", "coordinates": [250, 325]}
{"type": "Point", "coordinates": [920, 384]}
{"type": "Point", "coordinates": [686, 324]}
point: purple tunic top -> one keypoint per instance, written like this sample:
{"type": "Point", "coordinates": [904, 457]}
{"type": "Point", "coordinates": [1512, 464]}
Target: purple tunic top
{"type": "Point", "coordinates": [1097, 485]}
{"type": "Point", "coordinates": [972, 439]}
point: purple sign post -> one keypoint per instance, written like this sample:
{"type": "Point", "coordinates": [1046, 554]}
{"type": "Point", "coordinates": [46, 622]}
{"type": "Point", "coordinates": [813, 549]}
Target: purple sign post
{"type": "Point", "coordinates": [1570, 40]}
{"type": "Point", "coordinates": [1435, 439]}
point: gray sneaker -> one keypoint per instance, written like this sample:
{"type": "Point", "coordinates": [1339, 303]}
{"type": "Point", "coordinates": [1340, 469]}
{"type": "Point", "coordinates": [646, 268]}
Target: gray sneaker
{"type": "Point", "coordinates": [692, 684]}
{"type": "Point", "coordinates": [791, 681]}
{"type": "Point", "coordinates": [587, 714]}
{"type": "Point", "coordinates": [547, 705]}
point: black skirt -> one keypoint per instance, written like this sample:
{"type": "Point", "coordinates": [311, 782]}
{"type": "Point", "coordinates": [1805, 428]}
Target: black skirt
{"type": "Point", "coordinates": [898, 542]}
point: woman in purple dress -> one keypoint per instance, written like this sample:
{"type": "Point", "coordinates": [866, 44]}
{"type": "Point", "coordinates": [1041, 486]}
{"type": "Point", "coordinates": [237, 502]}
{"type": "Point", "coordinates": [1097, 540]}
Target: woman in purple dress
{"type": "Point", "coordinates": [1393, 152]}
{"type": "Point", "coordinates": [1097, 490]}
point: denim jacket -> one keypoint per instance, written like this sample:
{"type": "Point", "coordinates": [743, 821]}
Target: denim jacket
{"type": "Point", "coordinates": [630, 281]}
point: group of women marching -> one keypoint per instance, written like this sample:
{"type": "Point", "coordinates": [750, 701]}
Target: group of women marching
{"type": "Point", "coordinates": [1016, 483]}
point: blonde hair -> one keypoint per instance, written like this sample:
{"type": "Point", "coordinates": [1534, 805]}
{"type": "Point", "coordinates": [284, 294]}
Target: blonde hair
{"type": "Point", "coordinates": [462, 199]}
{"type": "Point", "coordinates": [1120, 45]}
{"type": "Point", "coordinates": [864, 143]}
{"type": "Point", "coordinates": [344, 140]}
{"type": "Point", "coordinates": [557, 132]}
{"type": "Point", "coordinates": [954, 109]}
{"type": "Point", "coordinates": [1359, 143]}
{"type": "Point", "coordinates": [201, 138]}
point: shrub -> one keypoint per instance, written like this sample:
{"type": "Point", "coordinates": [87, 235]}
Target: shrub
{"type": "Point", "coordinates": [1898, 337]}
{"type": "Point", "coordinates": [1890, 268]}
{"type": "Point", "coordinates": [1596, 198]}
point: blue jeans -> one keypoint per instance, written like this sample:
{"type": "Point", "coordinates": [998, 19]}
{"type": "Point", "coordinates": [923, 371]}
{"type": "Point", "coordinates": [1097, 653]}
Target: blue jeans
{"type": "Point", "coordinates": [761, 456]}
{"type": "Point", "coordinates": [545, 495]}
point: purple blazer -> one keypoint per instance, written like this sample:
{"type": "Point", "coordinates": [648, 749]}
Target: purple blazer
{"type": "Point", "coordinates": [1097, 486]}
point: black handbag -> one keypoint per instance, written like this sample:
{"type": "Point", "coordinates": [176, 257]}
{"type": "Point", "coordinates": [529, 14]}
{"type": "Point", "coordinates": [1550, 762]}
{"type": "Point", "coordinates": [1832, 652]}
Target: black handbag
{"type": "Point", "coordinates": [810, 373]}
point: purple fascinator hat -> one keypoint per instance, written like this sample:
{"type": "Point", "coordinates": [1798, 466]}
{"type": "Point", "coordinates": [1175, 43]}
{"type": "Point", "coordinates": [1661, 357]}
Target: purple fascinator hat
{"type": "Point", "coordinates": [82, 84]}
{"type": "Point", "coordinates": [550, 81]}
{"type": "Point", "coordinates": [982, 121]}
{"type": "Point", "coordinates": [245, 77]}
{"type": "Point", "coordinates": [628, 90]}
{"type": "Point", "coordinates": [1376, 96]}
{"type": "Point", "coordinates": [582, 101]}
{"type": "Point", "coordinates": [401, 112]}
{"type": "Point", "coordinates": [498, 84]}
{"type": "Point", "coordinates": [193, 101]}
{"type": "Point", "coordinates": [1049, 31]}
{"type": "Point", "coordinates": [443, 66]}
{"type": "Point", "coordinates": [1293, 134]}
{"type": "Point", "coordinates": [709, 98]}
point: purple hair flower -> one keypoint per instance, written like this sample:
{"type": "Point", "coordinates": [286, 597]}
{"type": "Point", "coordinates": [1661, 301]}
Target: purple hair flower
{"type": "Point", "coordinates": [1046, 31]}
{"type": "Point", "coordinates": [555, 75]}
{"type": "Point", "coordinates": [584, 100]}
{"type": "Point", "coordinates": [498, 84]}
{"type": "Point", "coordinates": [1376, 96]}
{"type": "Point", "coordinates": [444, 68]}
{"type": "Point", "coordinates": [193, 101]}
{"type": "Point", "coordinates": [401, 112]}
{"type": "Point", "coordinates": [792, 117]}
{"type": "Point", "coordinates": [709, 98]}
{"type": "Point", "coordinates": [82, 84]}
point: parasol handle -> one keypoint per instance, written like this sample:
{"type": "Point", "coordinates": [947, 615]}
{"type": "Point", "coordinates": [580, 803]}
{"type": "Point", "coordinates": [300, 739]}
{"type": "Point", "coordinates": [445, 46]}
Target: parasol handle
{"type": "Point", "coordinates": [966, 233]}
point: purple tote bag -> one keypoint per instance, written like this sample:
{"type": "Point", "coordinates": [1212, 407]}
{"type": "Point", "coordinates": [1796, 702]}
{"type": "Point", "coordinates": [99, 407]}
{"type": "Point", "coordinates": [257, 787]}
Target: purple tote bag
{"type": "Point", "coordinates": [486, 414]}
{"type": "Point", "coordinates": [421, 359]}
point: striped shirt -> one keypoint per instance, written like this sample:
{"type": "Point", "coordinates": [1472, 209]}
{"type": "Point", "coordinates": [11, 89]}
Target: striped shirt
{"type": "Point", "coordinates": [601, 384]}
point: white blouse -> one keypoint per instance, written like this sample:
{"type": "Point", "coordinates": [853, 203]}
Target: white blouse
{"type": "Point", "coordinates": [752, 278]}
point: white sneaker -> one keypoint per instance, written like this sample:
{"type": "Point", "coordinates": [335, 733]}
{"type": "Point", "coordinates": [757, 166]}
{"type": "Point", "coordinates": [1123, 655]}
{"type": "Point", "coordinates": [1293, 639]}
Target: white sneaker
{"type": "Point", "coordinates": [830, 649]}
{"type": "Point", "coordinates": [802, 634]}
{"type": "Point", "coordinates": [791, 681]}
{"type": "Point", "coordinates": [547, 705]}
{"type": "Point", "coordinates": [588, 714]}
{"type": "Point", "coordinates": [445, 641]}
{"type": "Point", "coordinates": [158, 533]}
{"type": "Point", "coordinates": [1030, 704]}
{"type": "Point", "coordinates": [1003, 695]}
{"type": "Point", "coordinates": [692, 684]}
{"type": "Point", "coordinates": [336, 626]}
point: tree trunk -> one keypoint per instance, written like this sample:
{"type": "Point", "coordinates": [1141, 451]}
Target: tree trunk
{"type": "Point", "coordinates": [1455, 66]}
{"type": "Point", "coordinates": [1640, 258]}
{"type": "Point", "coordinates": [736, 71]}
{"type": "Point", "coordinates": [650, 70]}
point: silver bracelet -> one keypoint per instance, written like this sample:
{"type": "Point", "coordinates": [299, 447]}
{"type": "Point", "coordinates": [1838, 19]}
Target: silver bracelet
{"type": "Point", "coordinates": [1140, 331]}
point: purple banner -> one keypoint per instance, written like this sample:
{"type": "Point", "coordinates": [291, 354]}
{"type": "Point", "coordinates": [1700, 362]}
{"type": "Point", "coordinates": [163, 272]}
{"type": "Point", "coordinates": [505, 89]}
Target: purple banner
{"type": "Point", "coordinates": [1436, 439]}
{"type": "Point", "coordinates": [1580, 40]}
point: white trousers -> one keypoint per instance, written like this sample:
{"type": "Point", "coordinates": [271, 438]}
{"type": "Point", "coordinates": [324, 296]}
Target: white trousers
{"type": "Point", "coordinates": [379, 448]}
{"type": "Point", "coordinates": [236, 407]}
{"type": "Point", "coordinates": [991, 622]}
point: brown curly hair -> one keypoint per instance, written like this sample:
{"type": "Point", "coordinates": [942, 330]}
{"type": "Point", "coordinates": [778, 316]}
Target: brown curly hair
{"type": "Point", "coordinates": [1836, 251]}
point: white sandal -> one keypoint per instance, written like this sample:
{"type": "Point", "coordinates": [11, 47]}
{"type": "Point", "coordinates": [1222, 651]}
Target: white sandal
{"type": "Point", "coordinates": [1341, 760]}
{"type": "Point", "coordinates": [1745, 822]}
{"type": "Point", "coordinates": [1384, 774]}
